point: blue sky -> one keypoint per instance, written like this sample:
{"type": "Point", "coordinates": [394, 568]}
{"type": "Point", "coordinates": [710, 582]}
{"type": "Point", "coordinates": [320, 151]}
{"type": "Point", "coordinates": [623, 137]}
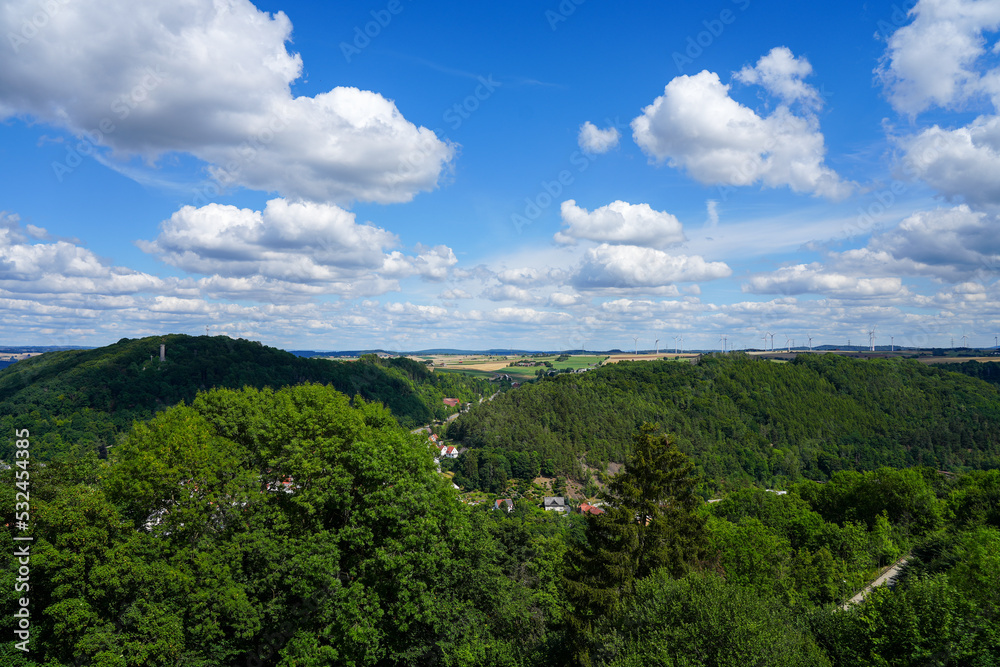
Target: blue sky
{"type": "Point", "coordinates": [548, 175]}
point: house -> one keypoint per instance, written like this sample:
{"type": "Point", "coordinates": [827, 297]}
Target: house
{"type": "Point", "coordinates": [504, 503]}
{"type": "Point", "coordinates": [449, 452]}
{"type": "Point", "coordinates": [433, 438]}
{"type": "Point", "coordinates": [587, 508]}
{"type": "Point", "coordinates": [451, 402]}
{"type": "Point", "coordinates": [554, 504]}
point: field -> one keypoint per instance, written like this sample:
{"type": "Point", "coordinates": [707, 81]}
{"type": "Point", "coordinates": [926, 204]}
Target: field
{"type": "Point", "coordinates": [488, 366]}
{"type": "Point", "coordinates": [669, 356]}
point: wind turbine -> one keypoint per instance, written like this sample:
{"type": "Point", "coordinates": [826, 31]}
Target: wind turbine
{"type": "Point", "coordinates": [810, 342]}
{"type": "Point", "coordinates": [682, 344]}
{"type": "Point", "coordinates": [772, 341]}
{"type": "Point", "coordinates": [764, 338]}
{"type": "Point", "coordinates": [723, 339]}
{"type": "Point", "coordinates": [676, 338]}
{"type": "Point", "coordinates": [892, 343]}
{"type": "Point", "coordinates": [788, 343]}
{"type": "Point", "coordinates": [965, 341]}
{"type": "Point", "coordinates": [871, 339]}
{"type": "Point", "coordinates": [657, 347]}
{"type": "Point", "coordinates": [636, 339]}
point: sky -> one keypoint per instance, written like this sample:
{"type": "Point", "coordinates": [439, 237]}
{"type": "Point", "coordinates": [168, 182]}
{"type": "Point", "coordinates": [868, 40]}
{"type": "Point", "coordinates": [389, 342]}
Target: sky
{"type": "Point", "coordinates": [554, 174]}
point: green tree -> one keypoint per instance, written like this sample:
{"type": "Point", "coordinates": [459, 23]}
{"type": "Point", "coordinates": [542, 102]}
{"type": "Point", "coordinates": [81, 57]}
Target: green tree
{"type": "Point", "coordinates": [651, 522]}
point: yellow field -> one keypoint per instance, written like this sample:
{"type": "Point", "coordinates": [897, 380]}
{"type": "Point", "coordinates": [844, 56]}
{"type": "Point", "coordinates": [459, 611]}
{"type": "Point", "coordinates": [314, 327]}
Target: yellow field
{"type": "Point", "coordinates": [955, 360]}
{"type": "Point", "coordinates": [615, 358]}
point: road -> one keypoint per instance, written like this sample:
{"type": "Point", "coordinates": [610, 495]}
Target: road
{"type": "Point", "coordinates": [887, 577]}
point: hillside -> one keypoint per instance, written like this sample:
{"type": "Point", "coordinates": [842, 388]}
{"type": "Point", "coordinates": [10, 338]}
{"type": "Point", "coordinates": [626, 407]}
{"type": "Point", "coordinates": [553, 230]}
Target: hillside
{"type": "Point", "coordinates": [749, 419]}
{"type": "Point", "coordinates": [75, 398]}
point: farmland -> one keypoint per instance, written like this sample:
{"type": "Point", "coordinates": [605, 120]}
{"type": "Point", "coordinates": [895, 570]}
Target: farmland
{"type": "Point", "coordinates": [488, 365]}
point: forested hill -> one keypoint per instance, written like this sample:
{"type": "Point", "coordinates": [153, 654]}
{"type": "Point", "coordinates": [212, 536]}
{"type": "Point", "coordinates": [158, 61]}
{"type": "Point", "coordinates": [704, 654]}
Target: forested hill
{"type": "Point", "coordinates": [989, 371]}
{"type": "Point", "coordinates": [86, 397]}
{"type": "Point", "coordinates": [754, 419]}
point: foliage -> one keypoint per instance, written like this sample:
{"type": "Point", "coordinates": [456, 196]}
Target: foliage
{"type": "Point", "coordinates": [747, 420]}
{"type": "Point", "coordinates": [702, 620]}
{"type": "Point", "coordinates": [301, 526]}
{"type": "Point", "coordinates": [651, 522]}
{"type": "Point", "coordinates": [80, 400]}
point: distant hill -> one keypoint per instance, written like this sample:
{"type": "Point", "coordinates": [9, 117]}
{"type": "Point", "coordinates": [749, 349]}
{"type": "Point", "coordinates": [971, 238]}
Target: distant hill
{"type": "Point", "coordinates": [84, 398]}
{"type": "Point", "coordinates": [747, 419]}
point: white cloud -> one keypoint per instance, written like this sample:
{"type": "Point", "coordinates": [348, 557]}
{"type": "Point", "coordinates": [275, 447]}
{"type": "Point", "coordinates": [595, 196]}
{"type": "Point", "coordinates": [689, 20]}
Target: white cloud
{"type": "Point", "coordinates": [712, 211]}
{"type": "Point", "coordinates": [63, 271]}
{"type": "Point", "coordinates": [931, 61]}
{"type": "Point", "coordinates": [527, 316]}
{"type": "Point", "coordinates": [632, 267]}
{"type": "Point", "coordinates": [509, 293]}
{"type": "Point", "coordinates": [523, 276]}
{"type": "Point", "coordinates": [813, 278]}
{"type": "Point", "coordinates": [564, 300]}
{"type": "Point", "coordinates": [951, 244]}
{"type": "Point", "coordinates": [319, 245]}
{"type": "Point", "coordinates": [695, 125]}
{"type": "Point", "coordinates": [964, 162]}
{"type": "Point", "coordinates": [429, 263]}
{"type": "Point", "coordinates": [620, 222]}
{"type": "Point", "coordinates": [594, 140]}
{"type": "Point", "coordinates": [212, 78]}
{"type": "Point", "coordinates": [782, 74]}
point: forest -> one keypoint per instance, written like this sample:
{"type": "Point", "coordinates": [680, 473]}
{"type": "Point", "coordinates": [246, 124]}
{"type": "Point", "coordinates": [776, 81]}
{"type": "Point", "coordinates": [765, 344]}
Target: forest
{"type": "Point", "coordinates": [749, 421]}
{"type": "Point", "coordinates": [303, 527]}
{"type": "Point", "coordinates": [86, 399]}
{"type": "Point", "coordinates": [306, 525]}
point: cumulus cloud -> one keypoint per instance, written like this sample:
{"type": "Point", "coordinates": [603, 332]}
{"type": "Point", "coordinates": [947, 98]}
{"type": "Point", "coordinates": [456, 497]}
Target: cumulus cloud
{"type": "Point", "coordinates": [814, 279]}
{"type": "Point", "coordinates": [526, 316]}
{"type": "Point", "coordinates": [453, 294]}
{"type": "Point", "coordinates": [623, 266]}
{"type": "Point", "coordinates": [932, 61]}
{"type": "Point", "coordinates": [429, 263]}
{"type": "Point", "coordinates": [620, 222]}
{"type": "Point", "coordinates": [62, 270]}
{"type": "Point", "coordinates": [564, 300]}
{"type": "Point", "coordinates": [781, 74]}
{"type": "Point", "coordinates": [695, 125]}
{"type": "Point", "coordinates": [964, 162]}
{"type": "Point", "coordinates": [951, 244]}
{"type": "Point", "coordinates": [291, 242]}
{"type": "Point", "coordinates": [509, 293]}
{"type": "Point", "coordinates": [212, 78]}
{"type": "Point", "coordinates": [594, 140]}
{"type": "Point", "coordinates": [522, 276]}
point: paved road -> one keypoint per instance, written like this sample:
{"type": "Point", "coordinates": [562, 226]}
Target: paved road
{"type": "Point", "coordinates": [887, 577]}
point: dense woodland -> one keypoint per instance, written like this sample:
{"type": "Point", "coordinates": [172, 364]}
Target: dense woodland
{"type": "Point", "coordinates": [305, 526]}
{"type": "Point", "coordinates": [86, 398]}
{"type": "Point", "coordinates": [746, 420]}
